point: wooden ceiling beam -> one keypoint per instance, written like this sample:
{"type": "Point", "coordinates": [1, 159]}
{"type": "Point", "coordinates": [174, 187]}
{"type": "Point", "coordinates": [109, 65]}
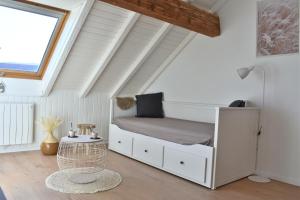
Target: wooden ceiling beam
{"type": "Point", "coordinates": [176, 12]}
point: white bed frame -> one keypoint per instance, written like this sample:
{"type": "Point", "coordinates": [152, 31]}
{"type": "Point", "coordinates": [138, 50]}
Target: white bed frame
{"type": "Point", "coordinates": [231, 157]}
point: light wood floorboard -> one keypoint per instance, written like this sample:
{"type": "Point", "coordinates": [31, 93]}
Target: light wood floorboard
{"type": "Point", "coordinates": [22, 177]}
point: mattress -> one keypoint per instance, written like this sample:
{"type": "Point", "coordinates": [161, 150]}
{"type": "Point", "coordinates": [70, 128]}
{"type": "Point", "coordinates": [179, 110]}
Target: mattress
{"type": "Point", "coordinates": [169, 129]}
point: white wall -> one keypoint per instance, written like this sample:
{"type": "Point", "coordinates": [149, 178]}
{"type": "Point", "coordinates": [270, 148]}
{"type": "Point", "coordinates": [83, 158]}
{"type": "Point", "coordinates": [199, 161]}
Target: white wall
{"type": "Point", "coordinates": [205, 73]}
{"type": "Point", "coordinates": [68, 106]}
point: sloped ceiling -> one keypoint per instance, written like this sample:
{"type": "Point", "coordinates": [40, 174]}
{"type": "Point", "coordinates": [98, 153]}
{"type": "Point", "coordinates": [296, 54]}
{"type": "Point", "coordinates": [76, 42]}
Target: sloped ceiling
{"type": "Point", "coordinates": [144, 30]}
{"type": "Point", "coordinates": [100, 30]}
{"type": "Point", "coordinates": [65, 4]}
{"type": "Point", "coordinates": [208, 4]}
{"type": "Point", "coordinates": [172, 40]}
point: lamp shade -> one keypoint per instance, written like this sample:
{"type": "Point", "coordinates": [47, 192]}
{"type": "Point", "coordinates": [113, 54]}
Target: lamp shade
{"type": "Point", "coordinates": [244, 72]}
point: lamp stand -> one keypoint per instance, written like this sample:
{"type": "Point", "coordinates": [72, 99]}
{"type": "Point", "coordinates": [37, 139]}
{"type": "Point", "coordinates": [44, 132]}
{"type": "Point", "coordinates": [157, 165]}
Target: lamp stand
{"type": "Point", "coordinates": [259, 179]}
{"type": "Point", "coordinates": [256, 178]}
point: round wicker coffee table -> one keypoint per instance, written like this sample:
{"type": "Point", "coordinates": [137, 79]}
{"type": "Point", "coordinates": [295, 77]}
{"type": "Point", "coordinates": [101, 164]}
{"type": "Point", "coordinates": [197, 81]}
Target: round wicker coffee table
{"type": "Point", "coordinates": [81, 158]}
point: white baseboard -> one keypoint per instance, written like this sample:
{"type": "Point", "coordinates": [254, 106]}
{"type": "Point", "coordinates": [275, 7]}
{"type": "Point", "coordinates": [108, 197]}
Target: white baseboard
{"type": "Point", "coordinates": [16, 148]}
{"type": "Point", "coordinates": [285, 179]}
{"type": "Point", "coordinates": [22, 148]}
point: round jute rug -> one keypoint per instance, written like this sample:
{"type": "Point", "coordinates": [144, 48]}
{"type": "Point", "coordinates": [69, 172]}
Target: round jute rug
{"type": "Point", "coordinates": [60, 181]}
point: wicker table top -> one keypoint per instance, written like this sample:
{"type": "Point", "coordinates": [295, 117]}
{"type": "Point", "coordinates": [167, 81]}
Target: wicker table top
{"type": "Point", "coordinates": [81, 139]}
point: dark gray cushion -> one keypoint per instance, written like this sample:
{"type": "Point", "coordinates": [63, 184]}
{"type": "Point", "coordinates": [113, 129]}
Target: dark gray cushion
{"type": "Point", "coordinates": [238, 103]}
{"type": "Point", "coordinates": [150, 105]}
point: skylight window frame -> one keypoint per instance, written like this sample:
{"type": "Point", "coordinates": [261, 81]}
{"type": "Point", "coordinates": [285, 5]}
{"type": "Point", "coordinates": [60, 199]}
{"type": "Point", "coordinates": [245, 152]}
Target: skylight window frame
{"type": "Point", "coordinates": [34, 7]}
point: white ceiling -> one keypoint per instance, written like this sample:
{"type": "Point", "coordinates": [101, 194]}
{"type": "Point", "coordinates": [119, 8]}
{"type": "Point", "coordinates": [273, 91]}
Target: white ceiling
{"type": "Point", "coordinates": [65, 4]}
{"type": "Point", "coordinates": [208, 4]}
{"type": "Point", "coordinates": [131, 62]}
{"type": "Point", "coordinates": [68, 4]}
{"type": "Point", "coordinates": [98, 32]}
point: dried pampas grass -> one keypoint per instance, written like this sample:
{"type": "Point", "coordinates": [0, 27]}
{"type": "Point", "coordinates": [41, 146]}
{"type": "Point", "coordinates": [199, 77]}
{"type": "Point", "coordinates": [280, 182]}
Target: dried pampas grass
{"type": "Point", "coordinates": [49, 124]}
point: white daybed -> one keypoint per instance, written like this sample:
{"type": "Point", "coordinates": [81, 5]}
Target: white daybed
{"type": "Point", "coordinates": [229, 157]}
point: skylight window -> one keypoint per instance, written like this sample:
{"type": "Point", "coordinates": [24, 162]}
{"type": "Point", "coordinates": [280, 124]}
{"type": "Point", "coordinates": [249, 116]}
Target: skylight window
{"type": "Point", "coordinates": [28, 35]}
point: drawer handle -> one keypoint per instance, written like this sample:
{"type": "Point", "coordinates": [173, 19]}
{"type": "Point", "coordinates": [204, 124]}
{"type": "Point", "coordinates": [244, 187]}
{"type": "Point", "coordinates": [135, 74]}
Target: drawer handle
{"type": "Point", "coordinates": [146, 151]}
{"type": "Point", "coordinates": [119, 142]}
{"type": "Point", "coordinates": [181, 162]}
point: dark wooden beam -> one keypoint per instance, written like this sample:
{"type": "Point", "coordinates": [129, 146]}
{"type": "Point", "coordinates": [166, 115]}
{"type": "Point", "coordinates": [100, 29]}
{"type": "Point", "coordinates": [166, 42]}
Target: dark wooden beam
{"type": "Point", "coordinates": [176, 12]}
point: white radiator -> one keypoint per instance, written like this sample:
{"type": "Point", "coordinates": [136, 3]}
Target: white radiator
{"type": "Point", "coordinates": [16, 123]}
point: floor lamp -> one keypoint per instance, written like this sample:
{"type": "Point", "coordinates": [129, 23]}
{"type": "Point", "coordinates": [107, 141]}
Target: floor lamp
{"type": "Point", "coordinates": [244, 73]}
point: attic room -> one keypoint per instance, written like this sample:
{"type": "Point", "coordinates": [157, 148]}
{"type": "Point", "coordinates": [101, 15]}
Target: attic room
{"type": "Point", "coordinates": [149, 99]}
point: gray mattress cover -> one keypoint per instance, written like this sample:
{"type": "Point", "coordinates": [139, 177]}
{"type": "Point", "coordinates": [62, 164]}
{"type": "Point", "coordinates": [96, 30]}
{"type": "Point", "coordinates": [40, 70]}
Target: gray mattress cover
{"type": "Point", "coordinates": [173, 130]}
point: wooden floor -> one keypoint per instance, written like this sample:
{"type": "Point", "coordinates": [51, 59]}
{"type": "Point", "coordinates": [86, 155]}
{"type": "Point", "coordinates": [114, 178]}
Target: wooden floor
{"type": "Point", "coordinates": [22, 176]}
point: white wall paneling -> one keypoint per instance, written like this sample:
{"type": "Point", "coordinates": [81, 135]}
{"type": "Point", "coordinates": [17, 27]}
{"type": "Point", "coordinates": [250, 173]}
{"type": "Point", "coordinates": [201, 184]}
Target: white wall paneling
{"type": "Point", "coordinates": [205, 72]}
{"type": "Point", "coordinates": [68, 106]}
